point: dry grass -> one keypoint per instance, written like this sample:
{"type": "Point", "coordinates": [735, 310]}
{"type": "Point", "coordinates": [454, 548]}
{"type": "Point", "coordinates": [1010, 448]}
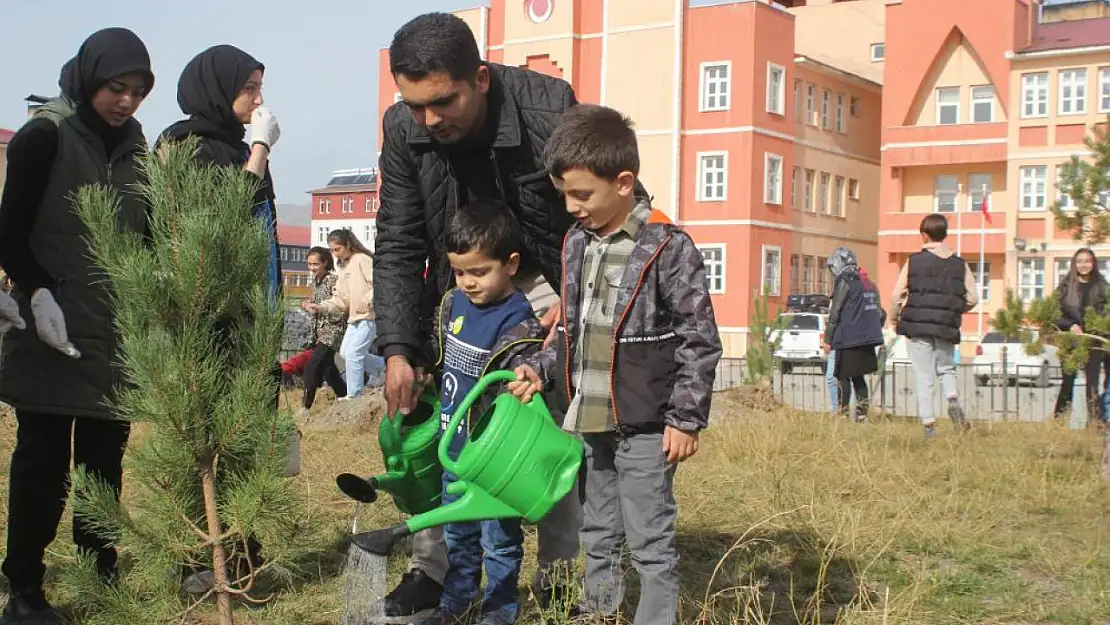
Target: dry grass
{"type": "Point", "coordinates": [799, 518]}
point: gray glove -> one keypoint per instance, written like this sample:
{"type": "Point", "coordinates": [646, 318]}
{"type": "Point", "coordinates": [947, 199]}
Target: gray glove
{"type": "Point", "coordinates": [264, 128]}
{"type": "Point", "coordinates": [51, 324]}
{"type": "Point", "coordinates": [9, 314]}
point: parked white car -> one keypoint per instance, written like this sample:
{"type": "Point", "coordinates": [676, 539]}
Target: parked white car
{"type": "Point", "coordinates": [1039, 369]}
{"type": "Point", "coordinates": [800, 340]}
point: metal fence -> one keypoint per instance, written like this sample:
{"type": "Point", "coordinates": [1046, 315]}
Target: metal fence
{"type": "Point", "coordinates": [985, 393]}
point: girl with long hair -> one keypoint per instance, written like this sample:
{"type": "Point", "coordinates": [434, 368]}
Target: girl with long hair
{"type": "Point", "coordinates": [328, 328]}
{"type": "Point", "coordinates": [1083, 287]}
{"type": "Point", "coordinates": [354, 292]}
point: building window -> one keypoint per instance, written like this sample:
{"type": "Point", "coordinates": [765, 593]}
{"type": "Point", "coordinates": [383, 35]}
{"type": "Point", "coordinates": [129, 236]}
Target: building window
{"type": "Point", "coordinates": [825, 109]}
{"type": "Point", "coordinates": [1073, 91]}
{"type": "Point", "coordinates": [838, 197]}
{"type": "Point", "coordinates": [715, 85]}
{"type": "Point", "coordinates": [1065, 200]}
{"type": "Point", "coordinates": [350, 208]}
{"type": "Point", "coordinates": [811, 111]}
{"type": "Point", "coordinates": [853, 107]}
{"type": "Point", "coordinates": [776, 89]}
{"type": "Point", "coordinates": [1063, 265]}
{"type": "Point", "coordinates": [1030, 279]}
{"type": "Point", "coordinates": [284, 254]}
{"type": "Point", "coordinates": [807, 274]}
{"type": "Point", "coordinates": [878, 52]}
{"type": "Point", "coordinates": [322, 235]}
{"type": "Point", "coordinates": [798, 101]}
{"type": "Point", "coordinates": [795, 275]}
{"type": "Point", "coordinates": [945, 190]}
{"type": "Point", "coordinates": [327, 206]}
{"type": "Point", "coordinates": [824, 199]}
{"type": "Point", "coordinates": [840, 113]}
{"type": "Point", "coordinates": [1034, 94]}
{"type": "Point", "coordinates": [982, 104]}
{"type": "Point", "coordinates": [808, 199]}
{"type": "Point", "coordinates": [978, 187]}
{"type": "Point", "coordinates": [795, 180]}
{"type": "Point", "coordinates": [772, 271]}
{"type": "Point", "coordinates": [714, 257]}
{"type": "Point", "coordinates": [712, 176]}
{"type": "Point", "coordinates": [985, 290]}
{"type": "Point", "coordinates": [321, 206]}
{"type": "Point", "coordinates": [853, 189]}
{"type": "Point", "coordinates": [1032, 187]}
{"type": "Point", "coordinates": [948, 105]}
{"type": "Point", "coordinates": [1104, 90]}
{"type": "Point", "coordinates": [772, 179]}
{"type": "Point", "coordinates": [368, 203]}
{"type": "Point", "coordinates": [823, 276]}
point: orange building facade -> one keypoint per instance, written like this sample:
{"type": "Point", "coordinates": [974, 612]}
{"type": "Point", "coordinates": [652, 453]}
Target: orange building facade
{"type": "Point", "coordinates": [983, 102]}
{"type": "Point", "coordinates": [758, 124]}
{"type": "Point", "coordinates": [348, 201]}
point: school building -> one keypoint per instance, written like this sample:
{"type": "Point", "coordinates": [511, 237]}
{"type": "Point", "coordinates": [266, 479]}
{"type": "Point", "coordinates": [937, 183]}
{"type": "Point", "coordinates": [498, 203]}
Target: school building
{"type": "Point", "coordinates": [983, 102]}
{"type": "Point", "coordinates": [758, 123]}
{"type": "Point", "coordinates": [349, 200]}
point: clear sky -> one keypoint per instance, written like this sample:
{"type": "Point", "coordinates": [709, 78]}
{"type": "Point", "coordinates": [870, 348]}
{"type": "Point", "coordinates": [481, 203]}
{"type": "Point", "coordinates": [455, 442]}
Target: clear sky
{"type": "Point", "coordinates": [321, 60]}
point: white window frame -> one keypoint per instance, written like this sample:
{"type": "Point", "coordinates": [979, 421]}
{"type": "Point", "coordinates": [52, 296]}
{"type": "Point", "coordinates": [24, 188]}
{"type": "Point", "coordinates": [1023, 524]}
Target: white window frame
{"type": "Point", "coordinates": [824, 184]}
{"type": "Point", "coordinates": [321, 209]}
{"type": "Point", "coordinates": [941, 92]}
{"type": "Point", "coordinates": [808, 282]}
{"type": "Point", "coordinates": [1061, 268]}
{"type": "Point", "coordinates": [322, 231]}
{"type": "Point", "coordinates": [1035, 177]}
{"type": "Point", "coordinates": [853, 106]}
{"type": "Point", "coordinates": [1104, 90]}
{"type": "Point", "coordinates": [795, 182]}
{"type": "Point", "coordinates": [772, 189]}
{"type": "Point", "coordinates": [798, 108]}
{"type": "Point", "coordinates": [985, 292]}
{"type": "Point", "coordinates": [840, 113]}
{"type": "Point", "coordinates": [777, 283]}
{"type": "Point", "coordinates": [776, 91]}
{"type": "Point", "coordinates": [1074, 79]}
{"type": "Point", "coordinates": [982, 94]}
{"type": "Point", "coordinates": [839, 188]}
{"type": "Point", "coordinates": [1034, 95]}
{"type": "Point", "coordinates": [710, 264]}
{"type": "Point", "coordinates": [1030, 267]}
{"type": "Point", "coordinates": [808, 187]}
{"type": "Point", "coordinates": [795, 274]}
{"type": "Point", "coordinates": [938, 192]}
{"type": "Point", "coordinates": [327, 206]}
{"type": "Point", "coordinates": [826, 99]}
{"type": "Point", "coordinates": [878, 51]}
{"type": "Point", "coordinates": [701, 195]}
{"type": "Point", "coordinates": [811, 104]}
{"type": "Point", "coordinates": [853, 189]}
{"type": "Point", "coordinates": [723, 97]}
{"type": "Point", "coordinates": [1065, 200]}
{"type": "Point", "coordinates": [975, 183]}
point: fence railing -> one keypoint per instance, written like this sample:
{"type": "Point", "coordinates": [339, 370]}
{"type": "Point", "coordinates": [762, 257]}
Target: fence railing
{"type": "Point", "coordinates": [1025, 393]}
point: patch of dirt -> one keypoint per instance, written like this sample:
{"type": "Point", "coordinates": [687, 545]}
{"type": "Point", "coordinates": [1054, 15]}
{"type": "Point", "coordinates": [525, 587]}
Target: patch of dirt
{"type": "Point", "coordinates": [744, 400]}
{"type": "Point", "coordinates": [364, 411]}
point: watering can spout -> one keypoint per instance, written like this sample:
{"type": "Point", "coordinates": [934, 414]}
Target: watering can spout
{"type": "Point", "coordinates": [380, 542]}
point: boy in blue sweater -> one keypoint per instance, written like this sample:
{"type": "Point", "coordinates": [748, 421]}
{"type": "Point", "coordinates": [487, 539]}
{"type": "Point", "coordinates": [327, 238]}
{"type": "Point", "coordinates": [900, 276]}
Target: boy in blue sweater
{"type": "Point", "coordinates": [484, 324]}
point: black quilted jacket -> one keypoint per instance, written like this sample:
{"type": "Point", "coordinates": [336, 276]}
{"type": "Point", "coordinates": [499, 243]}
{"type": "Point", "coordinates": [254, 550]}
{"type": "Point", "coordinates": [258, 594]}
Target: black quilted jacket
{"type": "Point", "coordinates": [419, 193]}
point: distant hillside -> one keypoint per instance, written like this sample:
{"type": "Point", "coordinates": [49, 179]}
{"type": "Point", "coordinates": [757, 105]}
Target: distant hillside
{"type": "Point", "coordinates": [295, 214]}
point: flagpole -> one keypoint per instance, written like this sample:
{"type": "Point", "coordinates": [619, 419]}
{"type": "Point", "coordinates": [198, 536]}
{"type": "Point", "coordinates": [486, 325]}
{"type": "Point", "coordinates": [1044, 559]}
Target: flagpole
{"type": "Point", "coordinates": [959, 223]}
{"type": "Point", "coordinates": [982, 256]}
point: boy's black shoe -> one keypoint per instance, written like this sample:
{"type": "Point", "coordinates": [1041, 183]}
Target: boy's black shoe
{"type": "Point", "coordinates": [30, 607]}
{"type": "Point", "coordinates": [416, 593]}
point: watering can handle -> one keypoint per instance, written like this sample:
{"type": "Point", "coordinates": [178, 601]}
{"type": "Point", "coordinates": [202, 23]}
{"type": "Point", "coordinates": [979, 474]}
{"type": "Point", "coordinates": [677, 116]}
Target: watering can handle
{"type": "Point", "coordinates": [397, 421]}
{"type": "Point", "coordinates": [463, 408]}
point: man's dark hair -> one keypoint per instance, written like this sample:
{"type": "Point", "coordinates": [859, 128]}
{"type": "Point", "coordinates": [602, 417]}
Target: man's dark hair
{"type": "Point", "coordinates": [595, 138]}
{"type": "Point", "coordinates": [935, 226]}
{"type": "Point", "coordinates": [485, 226]}
{"type": "Point", "coordinates": [435, 42]}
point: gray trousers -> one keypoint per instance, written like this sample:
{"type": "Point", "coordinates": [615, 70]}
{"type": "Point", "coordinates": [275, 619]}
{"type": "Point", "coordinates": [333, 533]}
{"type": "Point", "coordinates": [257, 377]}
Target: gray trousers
{"type": "Point", "coordinates": [630, 499]}
{"type": "Point", "coordinates": [932, 360]}
{"type": "Point", "coordinates": [558, 532]}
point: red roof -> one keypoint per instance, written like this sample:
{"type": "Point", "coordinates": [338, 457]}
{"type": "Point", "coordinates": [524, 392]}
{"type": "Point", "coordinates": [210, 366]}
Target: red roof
{"type": "Point", "coordinates": [1070, 34]}
{"type": "Point", "coordinates": [294, 235]}
{"type": "Point", "coordinates": [6, 136]}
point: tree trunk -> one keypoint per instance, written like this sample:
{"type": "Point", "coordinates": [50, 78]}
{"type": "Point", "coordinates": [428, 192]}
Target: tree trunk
{"type": "Point", "coordinates": [219, 556]}
{"type": "Point", "coordinates": [1106, 452]}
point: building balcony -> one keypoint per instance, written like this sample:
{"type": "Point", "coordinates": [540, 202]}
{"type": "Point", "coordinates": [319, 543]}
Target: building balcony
{"type": "Point", "coordinates": [907, 146]}
{"type": "Point", "coordinates": [899, 233]}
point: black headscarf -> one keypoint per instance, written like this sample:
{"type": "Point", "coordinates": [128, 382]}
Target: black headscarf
{"type": "Point", "coordinates": [210, 83]}
{"type": "Point", "coordinates": [105, 55]}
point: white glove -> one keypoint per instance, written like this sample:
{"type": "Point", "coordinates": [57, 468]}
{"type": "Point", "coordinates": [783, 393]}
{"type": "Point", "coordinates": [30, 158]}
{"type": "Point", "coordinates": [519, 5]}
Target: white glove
{"type": "Point", "coordinates": [9, 314]}
{"type": "Point", "coordinates": [264, 128]}
{"type": "Point", "coordinates": [50, 323]}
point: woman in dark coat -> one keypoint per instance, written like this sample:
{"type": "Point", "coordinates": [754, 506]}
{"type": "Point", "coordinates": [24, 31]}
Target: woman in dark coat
{"type": "Point", "coordinates": [59, 374]}
{"type": "Point", "coordinates": [855, 329]}
{"type": "Point", "coordinates": [1084, 287]}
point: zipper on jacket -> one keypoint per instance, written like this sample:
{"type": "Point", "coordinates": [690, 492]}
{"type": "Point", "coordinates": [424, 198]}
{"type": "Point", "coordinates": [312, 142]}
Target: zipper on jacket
{"type": "Point", "coordinates": [496, 173]}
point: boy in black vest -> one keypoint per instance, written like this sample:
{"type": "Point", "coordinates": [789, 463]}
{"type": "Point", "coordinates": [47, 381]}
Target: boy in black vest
{"type": "Point", "coordinates": [932, 293]}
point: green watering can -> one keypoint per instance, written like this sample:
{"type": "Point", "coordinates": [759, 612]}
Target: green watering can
{"type": "Point", "coordinates": [516, 463]}
{"type": "Point", "coordinates": [409, 445]}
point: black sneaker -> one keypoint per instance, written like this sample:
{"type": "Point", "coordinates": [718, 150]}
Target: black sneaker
{"type": "Point", "coordinates": [416, 593]}
{"type": "Point", "coordinates": [29, 607]}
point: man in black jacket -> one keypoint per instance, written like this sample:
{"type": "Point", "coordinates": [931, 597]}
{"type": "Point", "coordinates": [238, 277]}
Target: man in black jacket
{"type": "Point", "coordinates": [464, 130]}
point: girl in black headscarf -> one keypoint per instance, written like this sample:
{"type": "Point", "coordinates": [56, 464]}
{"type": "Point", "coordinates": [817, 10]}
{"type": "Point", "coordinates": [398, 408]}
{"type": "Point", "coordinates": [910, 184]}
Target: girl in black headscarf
{"type": "Point", "coordinates": [221, 92]}
{"type": "Point", "coordinates": [59, 373]}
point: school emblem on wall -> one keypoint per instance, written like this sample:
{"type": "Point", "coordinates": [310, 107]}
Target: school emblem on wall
{"type": "Point", "coordinates": [539, 11]}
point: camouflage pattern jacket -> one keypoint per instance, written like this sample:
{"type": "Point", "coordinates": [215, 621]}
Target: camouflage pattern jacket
{"type": "Point", "coordinates": [665, 345]}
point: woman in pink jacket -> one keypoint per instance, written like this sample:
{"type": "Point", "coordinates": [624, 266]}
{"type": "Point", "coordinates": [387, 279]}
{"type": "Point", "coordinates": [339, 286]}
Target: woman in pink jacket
{"type": "Point", "coordinates": [353, 294]}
